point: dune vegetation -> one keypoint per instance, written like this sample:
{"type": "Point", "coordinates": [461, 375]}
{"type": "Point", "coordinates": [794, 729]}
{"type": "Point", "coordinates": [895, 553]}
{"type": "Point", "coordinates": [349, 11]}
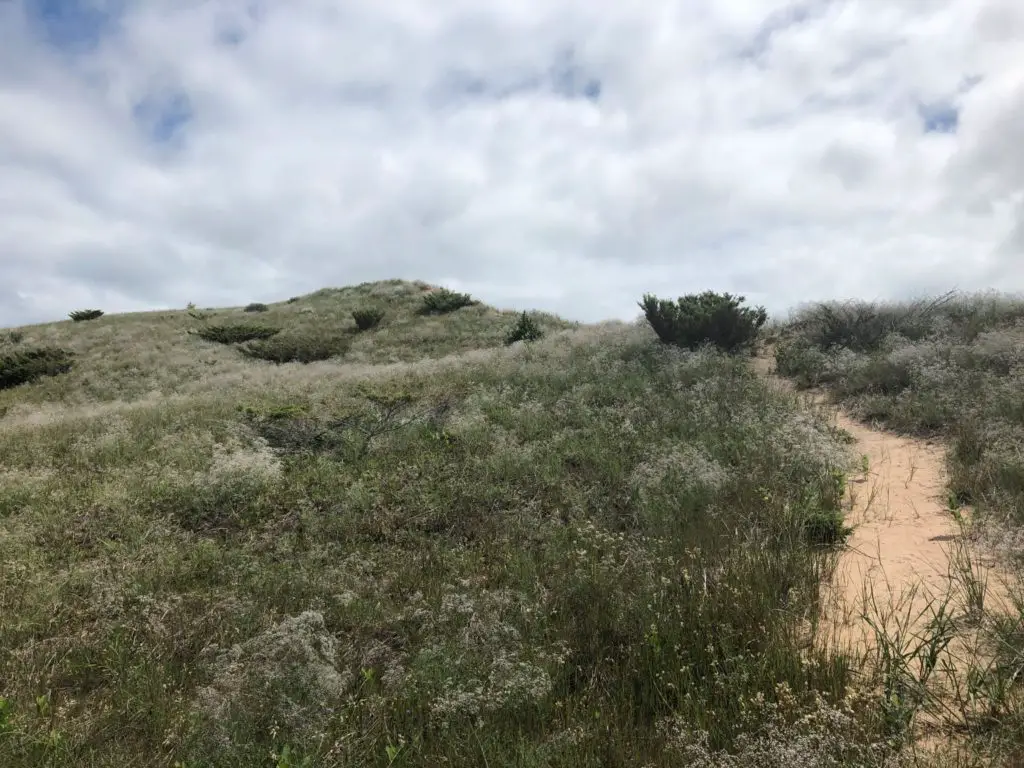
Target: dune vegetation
{"type": "Point", "coordinates": [388, 525]}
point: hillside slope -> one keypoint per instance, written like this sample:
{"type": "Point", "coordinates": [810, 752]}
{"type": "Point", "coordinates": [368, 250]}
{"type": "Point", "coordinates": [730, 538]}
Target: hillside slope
{"type": "Point", "coordinates": [590, 549]}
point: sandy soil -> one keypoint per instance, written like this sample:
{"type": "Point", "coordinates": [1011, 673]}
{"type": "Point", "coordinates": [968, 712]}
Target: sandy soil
{"type": "Point", "coordinates": [898, 556]}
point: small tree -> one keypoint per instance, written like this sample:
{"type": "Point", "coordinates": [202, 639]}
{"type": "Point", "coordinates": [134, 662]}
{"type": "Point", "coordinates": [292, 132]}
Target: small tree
{"type": "Point", "coordinates": [367, 318]}
{"type": "Point", "coordinates": [256, 307]}
{"type": "Point", "coordinates": [704, 318]}
{"type": "Point", "coordinates": [526, 329]}
{"type": "Point", "coordinates": [80, 315]}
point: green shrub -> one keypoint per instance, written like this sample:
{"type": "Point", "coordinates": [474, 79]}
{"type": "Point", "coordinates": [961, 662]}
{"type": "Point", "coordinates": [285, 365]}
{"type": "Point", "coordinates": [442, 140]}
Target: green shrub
{"type": "Point", "coordinates": [297, 349]}
{"type": "Point", "coordinates": [79, 315]}
{"type": "Point", "coordinates": [706, 318]}
{"type": "Point", "coordinates": [27, 365]}
{"type": "Point", "coordinates": [367, 318]}
{"type": "Point", "coordinates": [526, 329]}
{"type": "Point", "coordinates": [235, 334]}
{"type": "Point", "coordinates": [12, 337]}
{"type": "Point", "coordinates": [442, 301]}
{"type": "Point", "coordinates": [256, 307]}
{"type": "Point", "coordinates": [293, 300]}
{"type": "Point", "coordinates": [803, 362]}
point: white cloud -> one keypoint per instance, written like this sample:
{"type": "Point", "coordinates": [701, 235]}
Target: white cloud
{"type": "Point", "coordinates": [234, 150]}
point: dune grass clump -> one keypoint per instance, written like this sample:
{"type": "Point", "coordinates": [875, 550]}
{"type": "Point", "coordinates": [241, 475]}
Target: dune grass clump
{"type": "Point", "coordinates": [706, 318]}
{"type": "Point", "coordinates": [81, 315]}
{"type": "Point", "coordinates": [26, 365]}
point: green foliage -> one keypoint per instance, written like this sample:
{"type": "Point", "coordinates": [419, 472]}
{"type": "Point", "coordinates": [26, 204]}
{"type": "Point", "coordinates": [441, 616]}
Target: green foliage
{"type": "Point", "coordinates": [293, 300]}
{"type": "Point", "coordinates": [705, 318]}
{"type": "Point", "coordinates": [23, 366]}
{"type": "Point", "coordinates": [81, 315]}
{"type": "Point", "coordinates": [526, 329]}
{"type": "Point", "coordinates": [367, 318]}
{"type": "Point", "coordinates": [443, 301]}
{"type": "Point", "coordinates": [235, 333]}
{"type": "Point", "coordinates": [12, 337]}
{"type": "Point", "coordinates": [256, 307]}
{"type": "Point", "coordinates": [298, 348]}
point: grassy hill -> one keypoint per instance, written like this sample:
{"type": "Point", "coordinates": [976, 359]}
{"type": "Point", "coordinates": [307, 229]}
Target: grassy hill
{"type": "Point", "coordinates": [431, 548]}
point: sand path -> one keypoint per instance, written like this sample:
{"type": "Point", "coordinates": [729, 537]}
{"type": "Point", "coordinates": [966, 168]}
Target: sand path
{"type": "Point", "coordinates": [897, 559]}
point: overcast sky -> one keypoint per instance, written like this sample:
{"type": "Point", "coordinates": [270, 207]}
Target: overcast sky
{"type": "Point", "coordinates": [566, 155]}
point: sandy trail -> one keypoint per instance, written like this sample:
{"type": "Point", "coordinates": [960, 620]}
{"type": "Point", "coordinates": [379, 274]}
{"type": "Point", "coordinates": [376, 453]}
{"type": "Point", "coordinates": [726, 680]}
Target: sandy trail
{"type": "Point", "coordinates": [897, 560]}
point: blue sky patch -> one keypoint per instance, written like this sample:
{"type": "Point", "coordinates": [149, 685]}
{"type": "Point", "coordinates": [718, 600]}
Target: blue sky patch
{"type": "Point", "coordinates": [164, 116]}
{"type": "Point", "coordinates": [939, 118]}
{"type": "Point", "coordinates": [72, 25]}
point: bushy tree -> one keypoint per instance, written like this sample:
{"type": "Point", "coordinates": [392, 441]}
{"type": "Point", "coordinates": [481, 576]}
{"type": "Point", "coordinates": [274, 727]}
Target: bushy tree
{"type": "Point", "coordinates": [705, 318]}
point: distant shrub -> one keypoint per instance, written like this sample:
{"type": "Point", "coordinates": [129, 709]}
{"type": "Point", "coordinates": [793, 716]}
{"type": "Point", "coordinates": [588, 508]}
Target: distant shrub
{"type": "Point", "coordinates": [526, 329]}
{"type": "Point", "coordinates": [297, 349]}
{"type": "Point", "coordinates": [803, 362]}
{"type": "Point", "coordinates": [367, 318]}
{"type": "Point", "coordinates": [705, 318]}
{"type": "Point", "coordinates": [12, 337]}
{"type": "Point", "coordinates": [80, 315]}
{"type": "Point", "coordinates": [235, 334]}
{"type": "Point", "coordinates": [293, 300]}
{"type": "Point", "coordinates": [256, 307]}
{"type": "Point", "coordinates": [443, 301]}
{"type": "Point", "coordinates": [24, 366]}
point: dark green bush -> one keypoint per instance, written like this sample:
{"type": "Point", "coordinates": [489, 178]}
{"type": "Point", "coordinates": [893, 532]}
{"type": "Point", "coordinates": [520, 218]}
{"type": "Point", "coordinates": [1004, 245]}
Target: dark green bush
{"type": "Point", "coordinates": [526, 329]}
{"type": "Point", "coordinates": [256, 307]}
{"type": "Point", "coordinates": [705, 318]}
{"type": "Point", "coordinates": [235, 334]}
{"type": "Point", "coordinates": [297, 349]}
{"type": "Point", "coordinates": [442, 301]}
{"type": "Point", "coordinates": [26, 365]}
{"type": "Point", "coordinates": [293, 300]}
{"type": "Point", "coordinates": [367, 318]}
{"type": "Point", "coordinates": [12, 337]}
{"type": "Point", "coordinates": [80, 315]}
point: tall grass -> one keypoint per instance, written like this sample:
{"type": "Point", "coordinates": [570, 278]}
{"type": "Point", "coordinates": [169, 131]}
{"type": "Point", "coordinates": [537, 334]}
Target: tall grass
{"type": "Point", "coordinates": [588, 550]}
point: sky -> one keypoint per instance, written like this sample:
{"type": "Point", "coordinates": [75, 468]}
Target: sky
{"type": "Point", "coordinates": [560, 155]}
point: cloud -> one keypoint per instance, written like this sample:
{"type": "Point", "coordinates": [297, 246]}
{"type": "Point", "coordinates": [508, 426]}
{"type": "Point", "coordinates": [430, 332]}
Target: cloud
{"type": "Point", "coordinates": [563, 155]}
